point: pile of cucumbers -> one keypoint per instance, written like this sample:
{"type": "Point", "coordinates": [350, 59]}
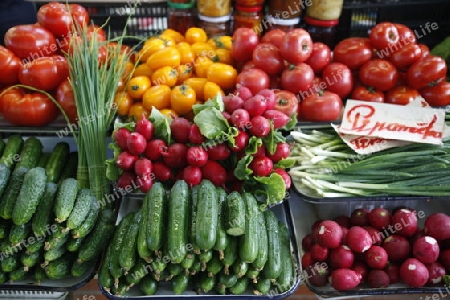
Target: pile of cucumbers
{"type": "Point", "coordinates": [49, 228]}
{"type": "Point", "coordinates": [201, 240]}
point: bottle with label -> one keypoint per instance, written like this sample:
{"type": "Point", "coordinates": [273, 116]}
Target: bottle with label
{"type": "Point", "coordinates": [215, 26]}
{"type": "Point", "coordinates": [249, 2]}
{"type": "Point", "coordinates": [286, 9]}
{"type": "Point", "coordinates": [214, 8]}
{"type": "Point", "coordinates": [325, 9]}
{"type": "Point", "coordinates": [181, 16]}
{"type": "Point", "coordinates": [248, 17]}
{"type": "Point", "coordinates": [323, 31]}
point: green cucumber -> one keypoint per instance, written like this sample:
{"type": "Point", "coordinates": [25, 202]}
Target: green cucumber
{"type": "Point", "coordinates": [53, 254]}
{"type": "Point", "coordinates": [57, 161]}
{"type": "Point", "coordinates": [80, 268]}
{"type": "Point", "coordinates": [17, 275]}
{"type": "Point", "coordinates": [220, 289]}
{"type": "Point", "coordinates": [263, 249]}
{"type": "Point", "coordinates": [88, 224]}
{"type": "Point", "coordinates": [141, 243]}
{"type": "Point", "coordinates": [31, 192]}
{"type": "Point", "coordinates": [207, 215]}
{"type": "Point", "coordinates": [234, 214]}
{"type": "Point", "coordinates": [193, 219]}
{"type": "Point", "coordinates": [240, 267]}
{"type": "Point", "coordinates": [196, 267]}
{"type": "Point", "coordinates": [121, 289]}
{"type": "Point", "coordinates": [36, 246]}
{"type": "Point", "coordinates": [240, 287]}
{"type": "Point", "coordinates": [262, 287]}
{"type": "Point", "coordinates": [5, 227]}
{"type": "Point", "coordinates": [19, 233]}
{"type": "Point", "coordinates": [56, 241]}
{"type": "Point", "coordinates": [230, 254]}
{"type": "Point", "coordinates": [180, 284]}
{"type": "Point", "coordinates": [117, 244]}
{"type": "Point", "coordinates": [43, 159]}
{"type": "Point", "coordinates": [44, 212]}
{"type": "Point", "coordinates": [188, 261]}
{"type": "Point", "coordinates": [5, 174]}
{"type": "Point", "coordinates": [158, 268]}
{"type": "Point", "coordinates": [80, 209]}
{"type": "Point", "coordinates": [3, 277]}
{"type": "Point", "coordinates": [10, 263]}
{"type": "Point", "coordinates": [205, 283]}
{"type": "Point", "coordinates": [228, 280]}
{"type": "Point", "coordinates": [252, 273]}
{"type": "Point", "coordinates": [5, 245]}
{"type": "Point", "coordinates": [214, 266]}
{"type": "Point", "coordinates": [272, 269]}
{"type": "Point", "coordinates": [286, 278]}
{"type": "Point", "coordinates": [59, 268]}
{"type": "Point", "coordinates": [12, 190]}
{"type": "Point", "coordinates": [11, 153]}
{"type": "Point", "coordinates": [128, 255]}
{"type": "Point", "coordinates": [73, 245]}
{"type": "Point", "coordinates": [29, 260]}
{"type": "Point", "coordinates": [156, 212]}
{"type": "Point", "coordinates": [148, 286]}
{"type": "Point", "coordinates": [105, 279]}
{"type": "Point", "coordinates": [221, 234]}
{"type": "Point", "coordinates": [65, 199]}
{"type": "Point", "coordinates": [97, 240]}
{"type": "Point", "coordinates": [177, 226]}
{"type": "Point", "coordinates": [204, 258]}
{"type": "Point", "coordinates": [174, 270]}
{"type": "Point", "coordinates": [249, 242]}
{"type": "Point", "coordinates": [30, 153]}
{"type": "Point", "coordinates": [39, 275]}
{"type": "Point", "coordinates": [136, 273]}
{"type": "Point", "coordinates": [70, 168]}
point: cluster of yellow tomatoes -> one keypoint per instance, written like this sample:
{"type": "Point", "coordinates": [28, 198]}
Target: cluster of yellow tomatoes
{"type": "Point", "coordinates": [175, 71]}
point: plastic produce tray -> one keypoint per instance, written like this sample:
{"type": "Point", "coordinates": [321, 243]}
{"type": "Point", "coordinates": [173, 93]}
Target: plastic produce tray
{"type": "Point", "coordinates": [283, 212]}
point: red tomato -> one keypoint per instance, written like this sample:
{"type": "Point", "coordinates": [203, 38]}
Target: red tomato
{"type": "Point", "coordinates": [353, 52]}
{"type": "Point", "coordinates": [248, 65]}
{"type": "Point", "coordinates": [267, 57]}
{"type": "Point", "coordinates": [245, 41]}
{"type": "Point", "coordinates": [286, 102]}
{"type": "Point", "coordinates": [30, 41]}
{"type": "Point", "coordinates": [274, 37]}
{"type": "Point", "coordinates": [321, 107]}
{"type": "Point", "coordinates": [42, 73]}
{"type": "Point", "coordinates": [405, 34]}
{"type": "Point", "coordinates": [367, 94]}
{"type": "Point", "coordinates": [379, 74]}
{"type": "Point", "coordinates": [62, 65]}
{"type": "Point", "coordinates": [320, 57]}
{"type": "Point", "coordinates": [338, 79]}
{"type": "Point", "coordinates": [401, 95]}
{"type": "Point", "coordinates": [426, 72]}
{"type": "Point", "coordinates": [424, 50]}
{"type": "Point", "coordinates": [4, 95]}
{"type": "Point", "coordinates": [65, 98]}
{"type": "Point", "coordinates": [297, 78]}
{"type": "Point", "coordinates": [438, 95]}
{"type": "Point", "coordinates": [406, 56]}
{"type": "Point", "coordinates": [296, 46]}
{"type": "Point", "coordinates": [64, 42]}
{"type": "Point", "coordinates": [384, 35]}
{"type": "Point", "coordinates": [58, 18]}
{"type": "Point", "coordinates": [255, 79]}
{"type": "Point", "coordinates": [9, 67]}
{"type": "Point", "coordinates": [34, 109]}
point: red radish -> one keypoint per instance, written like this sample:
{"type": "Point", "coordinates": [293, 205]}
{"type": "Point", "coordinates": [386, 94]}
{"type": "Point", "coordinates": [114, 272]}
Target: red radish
{"type": "Point", "coordinates": [269, 97]}
{"type": "Point", "coordinates": [361, 269]}
{"type": "Point", "coordinates": [259, 126]}
{"type": "Point", "coordinates": [232, 102]}
{"type": "Point", "coordinates": [378, 279]}
{"type": "Point", "coordinates": [226, 115]}
{"type": "Point", "coordinates": [308, 241]}
{"type": "Point", "coordinates": [344, 235]}
{"type": "Point", "coordinates": [375, 234]}
{"type": "Point", "coordinates": [376, 257]}
{"type": "Point", "coordinates": [195, 136]}
{"type": "Point", "coordinates": [121, 137]}
{"type": "Point", "coordinates": [344, 279]}
{"type": "Point", "coordinates": [437, 225]}
{"type": "Point", "coordinates": [126, 181]}
{"type": "Point", "coordinates": [154, 149]}
{"type": "Point", "coordinates": [176, 155]}
{"type": "Point", "coordinates": [192, 175]}
{"type": "Point", "coordinates": [343, 220]}
{"type": "Point", "coordinates": [414, 273]}
{"type": "Point", "coordinates": [397, 247]}
{"type": "Point", "coordinates": [261, 166]}
{"type": "Point", "coordinates": [437, 272]}
{"type": "Point", "coordinates": [283, 150]}
{"type": "Point", "coordinates": [214, 172]}
{"type": "Point", "coordinates": [255, 105]}
{"type": "Point", "coordinates": [143, 167]}
{"type": "Point", "coordinates": [240, 118]}
{"type": "Point", "coordinates": [218, 152]}
{"type": "Point", "coordinates": [360, 217]}
{"type": "Point", "coordinates": [318, 274]}
{"type": "Point", "coordinates": [125, 161]}
{"type": "Point", "coordinates": [319, 253]}
{"type": "Point", "coordinates": [161, 171]}
{"type": "Point", "coordinates": [197, 156]}
{"type": "Point", "coordinates": [261, 151]}
{"type": "Point", "coordinates": [285, 176]}
{"type": "Point", "coordinates": [145, 183]}
{"type": "Point", "coordinates": [379, 218]}
{"type": "Point", "coordinates": [240, 141]}
{"type": "Point", "coordinates": [328, 234]}
{"type": "Point", "coordinates": [358, 239]}
{"type": "Point", "coordinates": [307, 260]}
{"type": "Point", "coordinates": [405, 222]}
{"type": "Point", "coordinates": [243, 92]}
{"type": "Point", "coordinates": [426, 249]}
{"type": "Point", "coordinates": [278, 118]}
{"type": "Point", "coordinates": [136, 143]}
{"type": "Point", "coordinates": [419, 233]}
{"type": "Point", "coordinates": [444, 258]}
{"type": "Point", "coordinates": [180, 128]}
{"type": "Point", "coordinates": [393, 271]}
{"type": "Point", "coordinates": [145, 128]}
{"type": "Point", "coordinates": [341, 257]}
{"type": "Point", "coordinates": [315, 226]}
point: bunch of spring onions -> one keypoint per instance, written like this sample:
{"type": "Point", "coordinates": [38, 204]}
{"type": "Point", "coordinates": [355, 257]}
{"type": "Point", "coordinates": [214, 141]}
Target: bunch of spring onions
{"type": "Point", "coordinates": [326, 168]}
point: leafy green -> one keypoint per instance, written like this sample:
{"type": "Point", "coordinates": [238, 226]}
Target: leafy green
{"type": "Point", "coordinates": [130, 126]}
{"type": "Point", "coordinates": [253, 144]}
{"type": "Point", "coordinates": [272, 139]}
{"type": "Point", "coordinates": [211, 122]}
{"type": "Point", "coordinates": [216, 102]}
{"type": "Point", "coordinates": [161, 123]}
{"type": "Point", "coordinates": [285, 163]}
{"type": "Point", "coordinates": [291, 124]}
{"type": "Point", "coordinates": [112, 171]}
{"type": "Point", "coordinates": [242, 170]}
{"type": "Point", "coordinates": [272, 188]}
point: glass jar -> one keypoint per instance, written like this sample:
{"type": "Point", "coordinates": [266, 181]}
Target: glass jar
{"type": "Point", "coordinates": [180, 17]}
{"type": "Point", "coordinates": [324, 9]}
{"type": "Point", "coordinates": [283, 24]}
{"type": "Point", "coordinates": [248, 17]}
{"type": "Point", "coordinates": [249, 2]}
{"type": "Point", "coordinates": [214, 8]}
{"type": "Point", "coordinates": [321, 31]}
{"type": "Point", "coordinates": [217, 26]}
{"type": "Point", "coordinates": [286, 9]}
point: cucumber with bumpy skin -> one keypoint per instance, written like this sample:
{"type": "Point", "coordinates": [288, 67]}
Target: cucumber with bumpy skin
{"type": "Point", "coordinates": [30, 153]}
{"type": "Point", "coordinates": [128, 255]}
{"type": "Point", "coordinates": [249, 242]}
{"type": "Point", "coordinates": [43, 159]}
{"type": "Point", "coordinates": [207, 215]}
{"type": "Point", "coordinates": [52, 254]}
{"type": "Point", "coordinates": [5, 227]}
{"type": "Point", "coordinates": [70, 169]}
{"type": "Point", "coordinates": [17, 275]}
{"type": "Point", "coordinates": [59, 268]}
{"type": "Point", "coordinates": [221, 234]}
{"type": "Point", "coordinates": [240, 268]}
{"type": "Point", "coordinates": [240, 287]}
{"type": "Point", "coordinates": [5, 174]}
{"type": "Point", "coordinates": [57, 161]}
{"type": "Point", "coordinates": [234, 214]}
{"type": "Point", "coordinates": [193, 219]}
{"type": "Point", "coordinates": [286, 278]}
{"type": "Point", "coordinates": [263, 249]}
{"type": "Point", "coordinates": [180, 283]}
{"type": "Point", "coordinates": [80, 268]}
{"type": "Point", "coordinates": [252, 273]}
{"type": "Point", "coordinates": [141, 242]}
{"type": "Point", "coordinates": [56, 241]}
{"type": "Point", "coordinates": [80, 209]}
{"type": "Point", "coordinates": [214, 266]}
{"type": "Point", "coordinates": [230, 254]}
{"type": "Point", "coordinates": [65, 199]}
{"type": "Point", "coordinates": [205, 257]}
{"type": "Point", "coordinates": [117, 244]}
{"type": "Point", "coordinates": [19, 233]}
{"type": "Point", "coordinates": [44, 212]}
{"type": "Point", "coordinates": [228, 280]}
{"type": "Point", "coordinates": [136, 274]}
{"type": "Point", "coordinates": [11, 153]}
{"type": "Point", "coordinates": [105, 278]}
{"type": "Point", "coordinates": [38, 245]}
{"type": "Point", "coordinates": [205, 283]}
{"type": "Point", "coordinates": [29, 260]}
{"type": "Point", "coordinates": [12, 190]}
{"type": "Point", "coordinates": [39, 275]}
{"type": "Point", "coordinates": [262, 287]}
{"type": "Point", "coordinates": [272, 269]}
{"type": "Point", "coordinates": [88, 224]}
{"type": "Point", "coordinates": [148, 286]}
{"type": "Point", "coordinates": [10, 263]}
{"type": "Point", "coordinates": [156, 210]}
{"type": "Point", "coordinates": [73, 245]}
{"type": "Point", "coordinates": [3, 277]}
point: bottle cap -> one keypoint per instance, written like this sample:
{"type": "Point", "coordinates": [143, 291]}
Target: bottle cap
{"type": "Point", "coordinates": [321, 23]}
{"type": "Point", "coordinates": [214, 19]}
{"type": "Point", "coordinates": [181, 5]}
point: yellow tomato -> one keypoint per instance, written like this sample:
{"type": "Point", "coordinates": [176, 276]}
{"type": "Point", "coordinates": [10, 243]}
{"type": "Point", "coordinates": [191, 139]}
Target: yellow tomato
{"type": "Point", "coordinates": [197, 84]}
{"type": "Point", "coordinates": [223, 56]}
{"type": "Point", "coordinates": [210, 90]}
{"type": "Point", "coordinates": [201, 66]}
{"type": "Point", "coordinates": [157, 96]}
{"type": "Point", "coordinates": [165, 75]}
{"type": "Point", "coordinates": [195, 34]}
{"type": "Point", "coordinates": [170, 113]}
{"type": "Point", "coordinates": [222, 74]}
{"type": "Point", "coordinates": [187, 56]}
{"type": "Point", "coordinates": [151, 46]}
{"type": "Point", "coordinates": [142, 70]}
{"type": "Point", "coordinates": [175, 35]}
{"type": "Point", "coordinates": [138, 111]}
{"type": "Point", "coordinates": [167, 39]}
{"type": "Point", "coordinates": [184, 72]}
{"type": "Point", "coordinates": [137, 86]}
{"type": "Point", "coordinates": [123, 102]}
{"type": "Point", "coordinates": [169, 56]}
{"type": "Point", "coordinates": [128, 70]}
{"type": "Point", "coordinates": [182, 98]}
{"type": "Point", "coordinates": [221, 42]}
{"type": "Point", "coordinates": [120, 86]}
{"type": "Point", "coordinates": [203, 49]}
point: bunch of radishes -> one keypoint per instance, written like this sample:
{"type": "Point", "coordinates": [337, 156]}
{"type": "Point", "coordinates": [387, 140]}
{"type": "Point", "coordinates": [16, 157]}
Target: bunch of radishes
{"type": "Point", "coordinates": [378, 247]}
